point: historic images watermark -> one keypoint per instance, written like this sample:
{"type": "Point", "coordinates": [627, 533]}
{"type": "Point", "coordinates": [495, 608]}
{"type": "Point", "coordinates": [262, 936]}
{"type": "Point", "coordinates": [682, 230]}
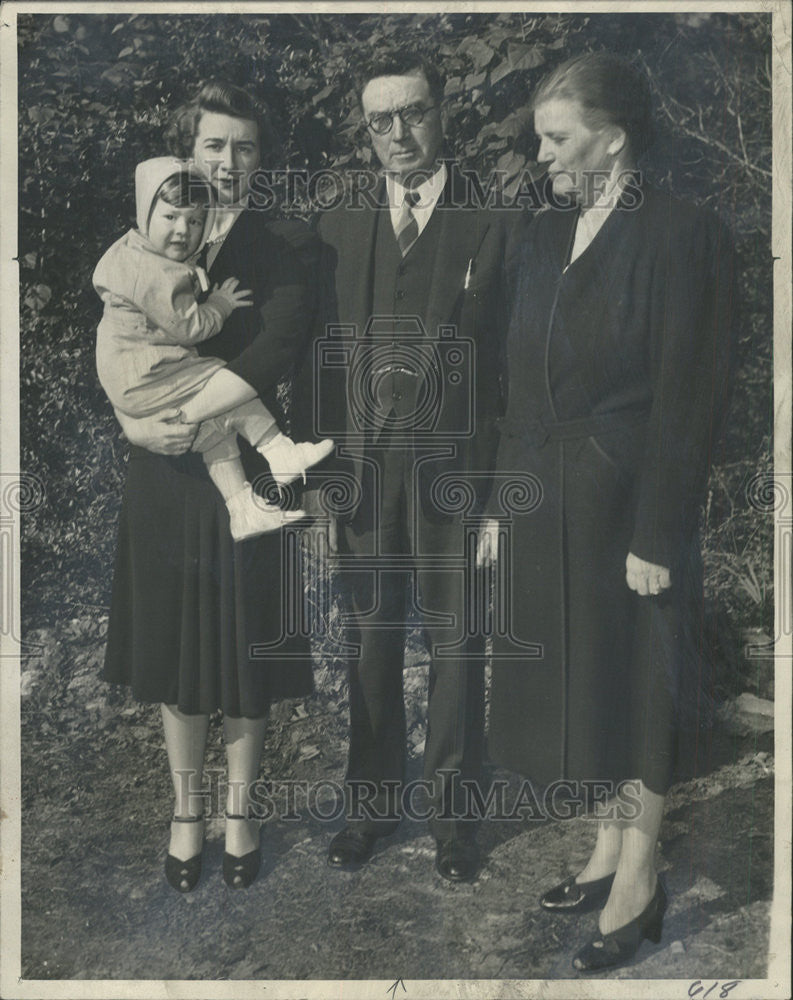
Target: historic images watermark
{"type": "Point", "coordinates": [294, 801]}
{"type": "Point", "coordinates": [357, 190]}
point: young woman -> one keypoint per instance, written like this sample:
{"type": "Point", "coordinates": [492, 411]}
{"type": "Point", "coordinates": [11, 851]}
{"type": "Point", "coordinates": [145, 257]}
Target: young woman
{"type": "Point", "coordinates": [620, 334]}
{"type": "Point", "coordinates": [189, 605]}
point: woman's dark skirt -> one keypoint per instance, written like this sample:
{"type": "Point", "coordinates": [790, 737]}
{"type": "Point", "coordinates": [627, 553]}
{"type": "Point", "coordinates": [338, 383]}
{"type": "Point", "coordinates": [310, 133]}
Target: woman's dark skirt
{"type": "Point", "coordinates": [197, 619]}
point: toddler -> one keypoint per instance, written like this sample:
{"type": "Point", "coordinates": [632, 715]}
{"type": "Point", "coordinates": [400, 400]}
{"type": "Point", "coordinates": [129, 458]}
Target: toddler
{"type": "Point", "coordinates": [145, 350]}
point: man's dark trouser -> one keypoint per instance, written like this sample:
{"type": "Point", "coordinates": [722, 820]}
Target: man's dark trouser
{"type": "Point", "coordinates": [385, 525]}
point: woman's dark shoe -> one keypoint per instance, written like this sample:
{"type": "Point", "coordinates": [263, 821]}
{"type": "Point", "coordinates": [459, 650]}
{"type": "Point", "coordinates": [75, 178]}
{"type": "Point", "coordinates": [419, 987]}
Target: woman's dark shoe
{"type": "Point", "coordinates": [605, 951]}
{"type": "Point", "coordinates": [239, 873]}
{"type": "Point", "coordinates": [577, 897]}
{"type": "Point", "coordinates": [184, 875]}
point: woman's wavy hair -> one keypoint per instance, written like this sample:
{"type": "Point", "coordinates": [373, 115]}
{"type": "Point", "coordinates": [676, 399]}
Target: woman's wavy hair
{"type": "Point", "coordinates": [222, 98]}
{"type": "Point", "coordinates": [610, 90]}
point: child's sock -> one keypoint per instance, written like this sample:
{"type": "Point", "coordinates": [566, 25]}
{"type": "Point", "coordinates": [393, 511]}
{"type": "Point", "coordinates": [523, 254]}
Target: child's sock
{"type": "Point", "coordinates": [267, 437]}
{"type": "Point", "coordinates": [274, 443]}
{"type": "Point", "coordinates": [225, 468]}
{"type": "Point", "coordinates": [255, 423]}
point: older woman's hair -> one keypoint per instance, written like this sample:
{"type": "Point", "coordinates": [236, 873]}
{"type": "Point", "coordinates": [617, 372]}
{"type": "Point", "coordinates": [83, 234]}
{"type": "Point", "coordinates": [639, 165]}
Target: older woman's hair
{"type": "Point", "coordinates": [609, 89]}
{"type": "Point", "coordinates": [222, 98]}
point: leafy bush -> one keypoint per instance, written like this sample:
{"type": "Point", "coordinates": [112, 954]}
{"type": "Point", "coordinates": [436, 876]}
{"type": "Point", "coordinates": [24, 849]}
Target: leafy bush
{"type": "Point", "coordinates": [94, 94]}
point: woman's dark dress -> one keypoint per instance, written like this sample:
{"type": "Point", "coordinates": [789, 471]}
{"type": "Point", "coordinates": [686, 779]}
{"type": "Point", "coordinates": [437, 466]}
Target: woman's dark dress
{"type": "Point", "coordinates": [618, 377]}
{"type": "Point", "coordinates": [188, 603]}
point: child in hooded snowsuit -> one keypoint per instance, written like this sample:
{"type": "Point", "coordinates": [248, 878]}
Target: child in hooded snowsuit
{"type": "Point", "coordinates": [145, 349]}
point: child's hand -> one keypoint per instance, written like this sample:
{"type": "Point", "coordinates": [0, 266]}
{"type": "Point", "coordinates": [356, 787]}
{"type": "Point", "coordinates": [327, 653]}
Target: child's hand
{"type": "Point", "coordinates": [234, 297]}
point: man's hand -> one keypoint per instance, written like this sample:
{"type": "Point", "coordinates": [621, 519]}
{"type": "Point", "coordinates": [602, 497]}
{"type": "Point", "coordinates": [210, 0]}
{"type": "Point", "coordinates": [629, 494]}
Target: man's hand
{"type": "Point", "coordinates": [646, 578]}
{"type": "Point", "coordinates": [487, 543]}
{"type": "Point", "coordinates": [333, 536]}
{"type": "Point", "coordinates": [310, 503]}
{"type": "Point", "coordinates": [163, 434]}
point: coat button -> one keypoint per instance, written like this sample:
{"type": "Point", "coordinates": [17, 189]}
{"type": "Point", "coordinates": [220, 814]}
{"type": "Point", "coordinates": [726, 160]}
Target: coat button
{"type": "Point", "coordinates": [397, 395]}
{"type": "Point", "coordinates": [400, 294]}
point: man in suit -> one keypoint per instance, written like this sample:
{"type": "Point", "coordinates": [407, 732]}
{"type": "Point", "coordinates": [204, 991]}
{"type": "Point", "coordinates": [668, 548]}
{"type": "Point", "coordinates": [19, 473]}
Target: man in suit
{"type": "Point", "coordinates": [414, 286]}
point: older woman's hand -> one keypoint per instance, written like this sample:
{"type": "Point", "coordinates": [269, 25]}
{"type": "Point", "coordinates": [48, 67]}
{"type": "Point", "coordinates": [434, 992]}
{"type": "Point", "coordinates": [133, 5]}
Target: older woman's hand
{"type": "Point", "coordinates": [487, 543]}
{"type": "Point", "coordinates": [645, 577]}
{"type": "Point", "coordinates": [163, 434]}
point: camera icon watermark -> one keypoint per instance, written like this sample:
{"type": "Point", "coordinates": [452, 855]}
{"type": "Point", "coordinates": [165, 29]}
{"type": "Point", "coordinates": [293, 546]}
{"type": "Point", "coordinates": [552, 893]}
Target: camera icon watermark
{"type": "Point", "coordinates": [394, 373]}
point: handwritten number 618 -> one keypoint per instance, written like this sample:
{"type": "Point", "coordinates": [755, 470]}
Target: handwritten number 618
{"type": "Point", "coordinates": [696, 988]}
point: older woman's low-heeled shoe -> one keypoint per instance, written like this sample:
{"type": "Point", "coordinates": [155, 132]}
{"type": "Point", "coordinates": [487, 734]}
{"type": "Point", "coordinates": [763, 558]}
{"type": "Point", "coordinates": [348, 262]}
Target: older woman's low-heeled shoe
{"type": "Point", "coordinates": [606, 951]}
{"type": "Point", "coordinates": [577, 897]}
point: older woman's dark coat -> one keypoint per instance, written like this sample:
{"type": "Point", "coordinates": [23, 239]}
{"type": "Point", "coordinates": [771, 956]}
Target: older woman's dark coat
{"type": "Point", "coordinates": [196, 620]}
{"type": "Point", "coordinates": [617, 382]}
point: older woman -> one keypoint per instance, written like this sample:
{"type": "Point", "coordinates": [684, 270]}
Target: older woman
{"type": "Point", "coordinates": [188, 605]}
{"type": "Point", "coordinates": [620, 338]}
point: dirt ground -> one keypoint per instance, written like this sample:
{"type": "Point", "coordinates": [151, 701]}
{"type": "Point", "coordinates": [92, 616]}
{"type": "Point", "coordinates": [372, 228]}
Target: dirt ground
{"type": "Point", "coordinates": [95, 904]}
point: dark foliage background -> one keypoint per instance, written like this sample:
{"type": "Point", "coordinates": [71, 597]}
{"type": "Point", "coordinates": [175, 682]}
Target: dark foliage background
{"type": "Point", "coordinates": [96, 90]}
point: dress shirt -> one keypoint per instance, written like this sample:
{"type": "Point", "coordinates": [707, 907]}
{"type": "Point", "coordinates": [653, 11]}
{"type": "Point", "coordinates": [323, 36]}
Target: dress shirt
{"type": "Point", "coordinates": [429, 192]}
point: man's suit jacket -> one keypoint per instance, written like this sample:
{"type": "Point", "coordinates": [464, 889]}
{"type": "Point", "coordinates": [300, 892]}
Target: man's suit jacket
{"type": "Point", "coordinates": [466, 303]}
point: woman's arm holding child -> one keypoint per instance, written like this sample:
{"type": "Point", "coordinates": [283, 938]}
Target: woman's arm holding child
{"type": "Point", "coordinates": [163, 433]}
{"type": "Point", "coordinates": [172, 431]}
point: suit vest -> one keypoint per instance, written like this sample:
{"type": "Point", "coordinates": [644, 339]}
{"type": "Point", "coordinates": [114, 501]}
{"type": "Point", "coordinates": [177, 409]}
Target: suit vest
{"type": "Point", "coordinates": [401, 288]}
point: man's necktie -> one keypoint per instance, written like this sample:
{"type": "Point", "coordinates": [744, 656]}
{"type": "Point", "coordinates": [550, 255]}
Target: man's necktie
{"type": "Point", "coordinates": [407, 231]}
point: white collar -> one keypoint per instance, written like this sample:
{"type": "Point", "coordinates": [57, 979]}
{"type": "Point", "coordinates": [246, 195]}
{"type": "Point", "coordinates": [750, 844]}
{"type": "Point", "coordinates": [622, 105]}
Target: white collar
{"type": "Point", "coordinates": [609, 196]}
{"type": "Point", "coordinates": [428, 191]}
{"type": "Point", "coordinates": [591, 221]}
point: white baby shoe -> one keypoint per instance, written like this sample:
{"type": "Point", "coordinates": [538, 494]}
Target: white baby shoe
{"type": "Point", "coordinates": [249, 515]}
{"type": "Point", "coordinates": [288, 461]}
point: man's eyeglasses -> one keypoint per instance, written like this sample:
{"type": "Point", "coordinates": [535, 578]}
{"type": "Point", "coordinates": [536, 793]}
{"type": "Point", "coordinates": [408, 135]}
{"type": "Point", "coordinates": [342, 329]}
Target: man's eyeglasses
{"type": "Point", "coordinates": [382, 122]}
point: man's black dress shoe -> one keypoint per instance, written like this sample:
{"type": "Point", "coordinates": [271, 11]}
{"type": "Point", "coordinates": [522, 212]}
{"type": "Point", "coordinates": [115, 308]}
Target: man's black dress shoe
{"type": "Point", "coordinates": [457, 860]}
{"type": "Point", "coordinates": [350, 848]}
{"type": "Point", "coordinates": [606, 951]}
{"type": "Point", "coordinates": [577, 897]}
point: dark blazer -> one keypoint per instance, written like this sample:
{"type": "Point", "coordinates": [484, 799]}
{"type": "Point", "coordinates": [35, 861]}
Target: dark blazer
{"type": "Point", "coordinates": [467, 294]}
{"type": "Point", "coordinates": [278, 260]}
{"type": "Point", "coordinates": [619, 378]}
{"type": "Point", "coordinates": [639, 333]}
